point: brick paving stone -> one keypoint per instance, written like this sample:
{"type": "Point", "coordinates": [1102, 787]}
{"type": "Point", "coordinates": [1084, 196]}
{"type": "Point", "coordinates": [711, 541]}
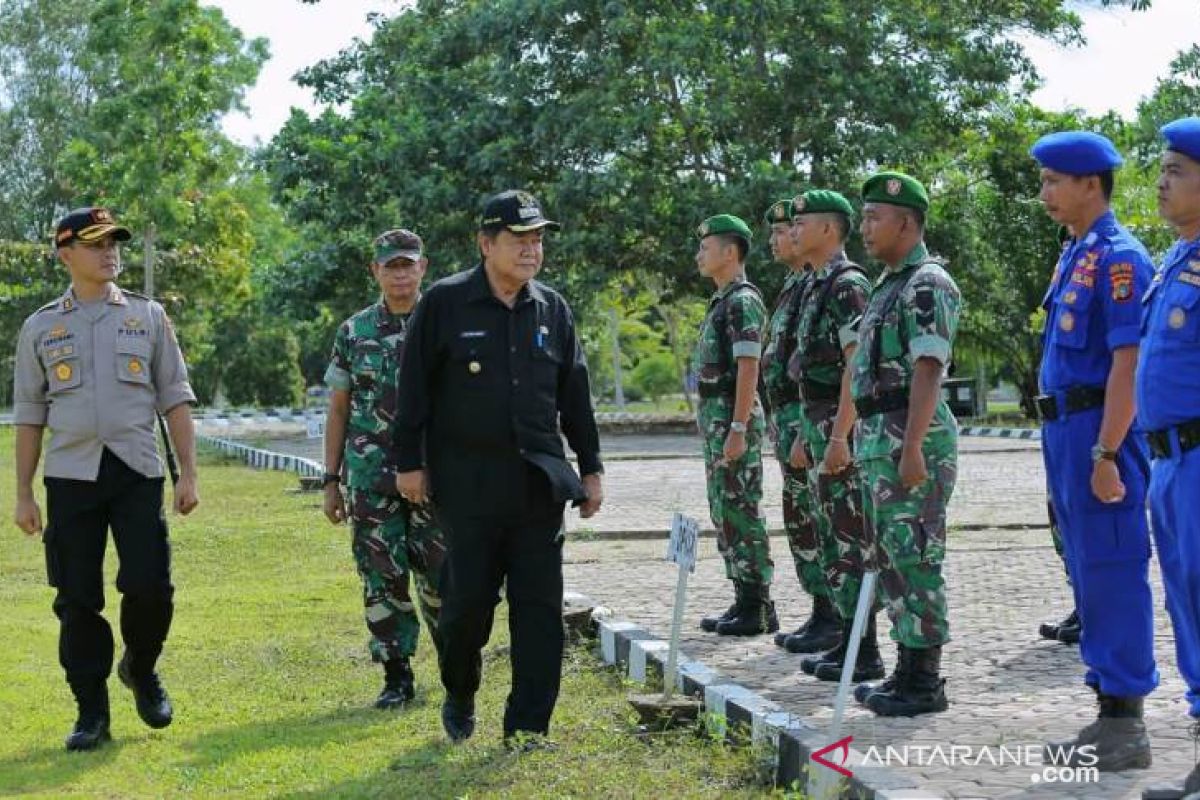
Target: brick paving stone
{"type": "Point", "coordinates": [1006, 686]}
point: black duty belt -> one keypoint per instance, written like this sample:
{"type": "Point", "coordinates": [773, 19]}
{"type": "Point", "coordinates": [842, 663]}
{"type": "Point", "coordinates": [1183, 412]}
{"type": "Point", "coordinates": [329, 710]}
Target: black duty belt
{"type": "Point", "coordinates": [816, 392]}
{"type": "Point", "coordinates": [882, 403]}
{"type": "Point", "coordinates": [1189, 438]}
{"type": "Point", "coordinates": [1078, 398]}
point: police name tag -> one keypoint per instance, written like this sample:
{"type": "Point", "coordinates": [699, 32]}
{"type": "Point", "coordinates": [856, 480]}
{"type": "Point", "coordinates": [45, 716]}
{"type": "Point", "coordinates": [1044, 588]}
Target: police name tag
{"type": "Point", "coordinates": [681, 547]}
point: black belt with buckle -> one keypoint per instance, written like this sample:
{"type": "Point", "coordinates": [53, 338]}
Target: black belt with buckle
{"type": "Point", "coordinates": [1078, 398]}
{"type": "Point", "coordinates": [882, 403]}
{"type": "Point", "coordinates": [1189, 438]}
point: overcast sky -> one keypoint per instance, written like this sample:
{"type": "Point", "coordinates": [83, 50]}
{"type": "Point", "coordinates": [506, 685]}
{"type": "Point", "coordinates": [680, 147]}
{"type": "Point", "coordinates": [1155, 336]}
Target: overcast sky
{"type": "Point", "coordinates": [1126, 53]}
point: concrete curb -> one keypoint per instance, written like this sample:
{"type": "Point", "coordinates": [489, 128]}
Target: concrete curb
{"type": "Point", "coordinates": [1034, 434]}
{"type": "Point", "coordinates": [786, 740]}
{"type": "Point", "coordinates": [262, 459]}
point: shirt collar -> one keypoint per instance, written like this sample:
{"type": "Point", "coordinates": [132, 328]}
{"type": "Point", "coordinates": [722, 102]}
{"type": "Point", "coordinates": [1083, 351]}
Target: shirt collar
{"type": "Point", "coordinates": [919, 254]}
{"type": "Point", "coordinates": [1104, 224]}
{"type": "Point", "coordinates": [69, 301]}
{"type": "Point", "coordinates": [480, 289]}
{"type": "Point", "coordinates": [384, 315]}
{"type": "Point", "coordinates": [837, 258]}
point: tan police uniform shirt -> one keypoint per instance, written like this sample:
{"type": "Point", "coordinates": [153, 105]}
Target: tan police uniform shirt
{"type": "Point", "coordinates": [94, 375]}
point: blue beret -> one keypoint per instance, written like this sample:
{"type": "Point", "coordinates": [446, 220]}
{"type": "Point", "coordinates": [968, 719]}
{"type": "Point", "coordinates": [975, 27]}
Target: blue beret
{"type": "Point", "coordinates": [1183, 136]}
{"type": "Point", "coordinates": [1076, 153]}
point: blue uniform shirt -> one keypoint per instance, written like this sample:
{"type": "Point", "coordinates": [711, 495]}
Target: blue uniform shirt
{"type": "Point", "coordinates": [1168, 375]}
{"type": "Point", "coordinates": [1093, 305]}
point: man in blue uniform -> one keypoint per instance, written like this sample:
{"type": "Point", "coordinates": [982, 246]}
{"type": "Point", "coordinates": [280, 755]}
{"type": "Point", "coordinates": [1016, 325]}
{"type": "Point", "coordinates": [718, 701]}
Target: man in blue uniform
{"type": "Point", "coordinates": [1168, 403]}
{"type": "Point", "coordinates": [1098, 468]}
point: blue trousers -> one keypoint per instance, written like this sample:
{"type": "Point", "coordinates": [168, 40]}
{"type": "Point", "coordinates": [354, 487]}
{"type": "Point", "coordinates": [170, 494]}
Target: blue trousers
{"type": "Point", "coordinates": [1175, 510]}
{"type": "Point", "coordinates": [1107, 549]}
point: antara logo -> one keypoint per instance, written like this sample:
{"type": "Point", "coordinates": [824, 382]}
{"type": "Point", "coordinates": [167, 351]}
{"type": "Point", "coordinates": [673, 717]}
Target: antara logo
{"type": "Point", "coordinates": [841, 746]}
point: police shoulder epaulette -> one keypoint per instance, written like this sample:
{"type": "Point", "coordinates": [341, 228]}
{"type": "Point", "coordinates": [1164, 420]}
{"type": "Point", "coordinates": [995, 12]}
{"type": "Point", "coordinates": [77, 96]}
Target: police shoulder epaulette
{"type": "Point", "coordinates": [138, 295]}
{"type": "Point", "coordinates": [52, 304]}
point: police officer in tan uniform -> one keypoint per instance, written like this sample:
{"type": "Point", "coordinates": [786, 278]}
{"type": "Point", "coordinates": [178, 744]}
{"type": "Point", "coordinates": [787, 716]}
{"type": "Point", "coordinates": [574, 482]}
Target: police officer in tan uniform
{"type": "Point", "coordinates": [94, 367]}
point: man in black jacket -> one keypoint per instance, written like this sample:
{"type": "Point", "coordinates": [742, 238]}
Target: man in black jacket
{"type": "Point", "coordinates": [491, 369]}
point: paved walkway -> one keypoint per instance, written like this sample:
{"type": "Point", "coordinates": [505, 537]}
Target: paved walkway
{"type": "Point", "coordinates": [1007, 687]}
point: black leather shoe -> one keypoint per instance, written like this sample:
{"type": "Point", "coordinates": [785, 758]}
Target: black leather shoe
{"type": "Point", "coordinates": [398, 687]}
{"type": "Point", "coordinates": [90, 732]}
{"type": "Point", "coordinates": [153, 705]}
{"type": "Point", "coordinates": [458, 719]}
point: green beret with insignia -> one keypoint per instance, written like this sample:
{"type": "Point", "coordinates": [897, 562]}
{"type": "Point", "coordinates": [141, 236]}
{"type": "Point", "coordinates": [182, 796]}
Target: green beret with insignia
{"type": "Point", "coordinates": [780, 211]}
{"type": "Point", "coordinates": [896, 189]}
{"type": "Point", "coordinates": [821, 201]}
{"type": "Point", "coordinates": [725, 224]}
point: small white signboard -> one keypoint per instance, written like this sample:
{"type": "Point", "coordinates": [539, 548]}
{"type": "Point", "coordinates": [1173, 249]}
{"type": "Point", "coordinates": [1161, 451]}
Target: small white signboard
{"type": "Point", "coordinates": [681, 547]}
{"type": "Point", "coordinates": [316, 427]}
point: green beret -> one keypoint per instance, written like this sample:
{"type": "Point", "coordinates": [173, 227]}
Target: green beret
{"type": "Point", "coordinates": [725, 224]}
{"type": "Point", "coordinates": [896, 189]}
{"type": "Point", "coordinates": [821, 201]}
{"type": "Point", "coordinates": [780, 211]}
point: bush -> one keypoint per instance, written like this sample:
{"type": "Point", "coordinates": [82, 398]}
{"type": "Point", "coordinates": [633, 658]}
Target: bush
{"type": "Point", "coordinates": [655, 375]}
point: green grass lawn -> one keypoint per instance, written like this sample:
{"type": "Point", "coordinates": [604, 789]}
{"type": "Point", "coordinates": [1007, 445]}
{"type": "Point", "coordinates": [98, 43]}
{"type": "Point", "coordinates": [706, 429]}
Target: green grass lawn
{"type": "Point", "coordinates": [268, 670]}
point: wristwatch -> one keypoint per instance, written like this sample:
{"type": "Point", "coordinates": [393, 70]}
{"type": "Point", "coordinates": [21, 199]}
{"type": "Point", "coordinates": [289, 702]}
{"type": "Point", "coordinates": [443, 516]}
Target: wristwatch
{"type": "Point", "coordinates": [737, 427]}
{"type": "Point", "coordinates": [330, 477]}
{"type": "Point", "coordinates": [1101, 453]}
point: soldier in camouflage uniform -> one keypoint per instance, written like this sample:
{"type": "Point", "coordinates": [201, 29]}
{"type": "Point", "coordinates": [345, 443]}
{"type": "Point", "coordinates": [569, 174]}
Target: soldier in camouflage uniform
{"type": "Point", "coordinates": [391, 537]}
{"type": "Point", "coordinates": [907, 439]}
{"type": "Point", "coordinates": [785, 412]}
{"type": "Point", "coordinates": [835, 300]}
{"type": "Point", "coordinates": [731, 423]}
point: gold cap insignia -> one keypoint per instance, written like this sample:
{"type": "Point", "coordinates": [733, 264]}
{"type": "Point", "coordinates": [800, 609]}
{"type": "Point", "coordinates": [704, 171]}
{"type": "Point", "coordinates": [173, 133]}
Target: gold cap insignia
{"type": "Point", "coordinates": [1177, 318]}
{"type": "Point", "coordinates": [102, 216]}
{"type": "Point", "coordinates": [799, 203]}
{"type": "Point", "coordinates": [703, 229]}
{"type": "Point", "coordinates": [63, 372]}
{"type": "Point", "coordinates": [893, 186]}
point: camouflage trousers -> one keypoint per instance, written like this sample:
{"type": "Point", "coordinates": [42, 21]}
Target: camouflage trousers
{"type": "Point", "coordinates": [839, 512]}
{"type": "Point", "coordinates": [391, 539]}
{"type": "Point", "coordinates": [810, 551]}
{"type": "Point", "coordinates": [907, 530]}
{"type": "Point", "coordinates": [735, 496]}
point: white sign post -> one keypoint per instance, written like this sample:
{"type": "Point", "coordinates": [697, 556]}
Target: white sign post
{"type": "Point", "coordinates": [826, 780]}
{"type": "Point", "coordinates": [316, 427]}
{"type": "Point", "coordinates": [681, 549]}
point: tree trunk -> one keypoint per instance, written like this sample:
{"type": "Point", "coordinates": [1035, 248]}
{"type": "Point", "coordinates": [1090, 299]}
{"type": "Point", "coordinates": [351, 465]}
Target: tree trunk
{"type": "Point", "coordinates": [148, 261]}
{"type": "Point", "coordinates": [618, 386]}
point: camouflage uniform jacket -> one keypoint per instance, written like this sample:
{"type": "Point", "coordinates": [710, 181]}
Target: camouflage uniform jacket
{"type": "Point", "coordinates": [732, 329]}
{"type": "Point", "coordinates": [825, 330]}
{"type": "Point", "coordinates": [366, 362]}
{"type": "Point", "coordinates": [780, 344]}
{"type": "Point", "coordinates": [918, 323]}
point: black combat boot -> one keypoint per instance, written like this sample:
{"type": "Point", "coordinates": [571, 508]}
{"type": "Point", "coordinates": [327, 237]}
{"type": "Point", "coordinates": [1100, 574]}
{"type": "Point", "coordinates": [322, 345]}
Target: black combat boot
{"type": "Point", "coordinates": [823, 632]}
{"type": "Point", "coordinates": [1117, 736]}
{"type": "Point", "coordinates": [865, 690]}
{"type": "Point", "coordinates": [709, 624]}
{"type": "Point", "coordinates": [835, 655]}
{"type": "Point", "coordinates": [153, 705]}
{"type": "Point", "coordinates": [781, 637]}
{"type": "Point", "coordinates": [867, 665]}
{"type": "Point", "coordinates": [91, 727]}
{"type": "Point", "coordinates": [458, 718]}
{"type": "Point", "coordinates": [1066, 631]}
{"type": "Point", "coordinates": [756, 615]}
{"type": "Point", "coordinates": [920, 689]}
{"type": "Point", "coordinates": [398, 686]}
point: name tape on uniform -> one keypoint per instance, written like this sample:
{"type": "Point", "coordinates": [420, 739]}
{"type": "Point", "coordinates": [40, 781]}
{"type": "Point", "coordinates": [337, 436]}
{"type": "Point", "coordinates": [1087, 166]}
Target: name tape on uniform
{"type": "Point", "coordinates": [681, 547]}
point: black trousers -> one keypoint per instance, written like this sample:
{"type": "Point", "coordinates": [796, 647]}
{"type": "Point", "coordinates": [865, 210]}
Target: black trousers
{"type": "Point", "coordinates": [515, 540]}
{"type": "Point", "coordinates": [79, 516]}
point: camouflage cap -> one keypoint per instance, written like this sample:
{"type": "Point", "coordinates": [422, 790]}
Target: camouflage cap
{"type": "Point", "coordinates": [896, 189]}
{"type": "Point", "coordinates": [821, 201]}
{"type": "Point", "coordinates": [780, 211]}
{"type": "Point", "coordinates": [725, 224]}
{"type": "Point", "coordinates": [398, 243]}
